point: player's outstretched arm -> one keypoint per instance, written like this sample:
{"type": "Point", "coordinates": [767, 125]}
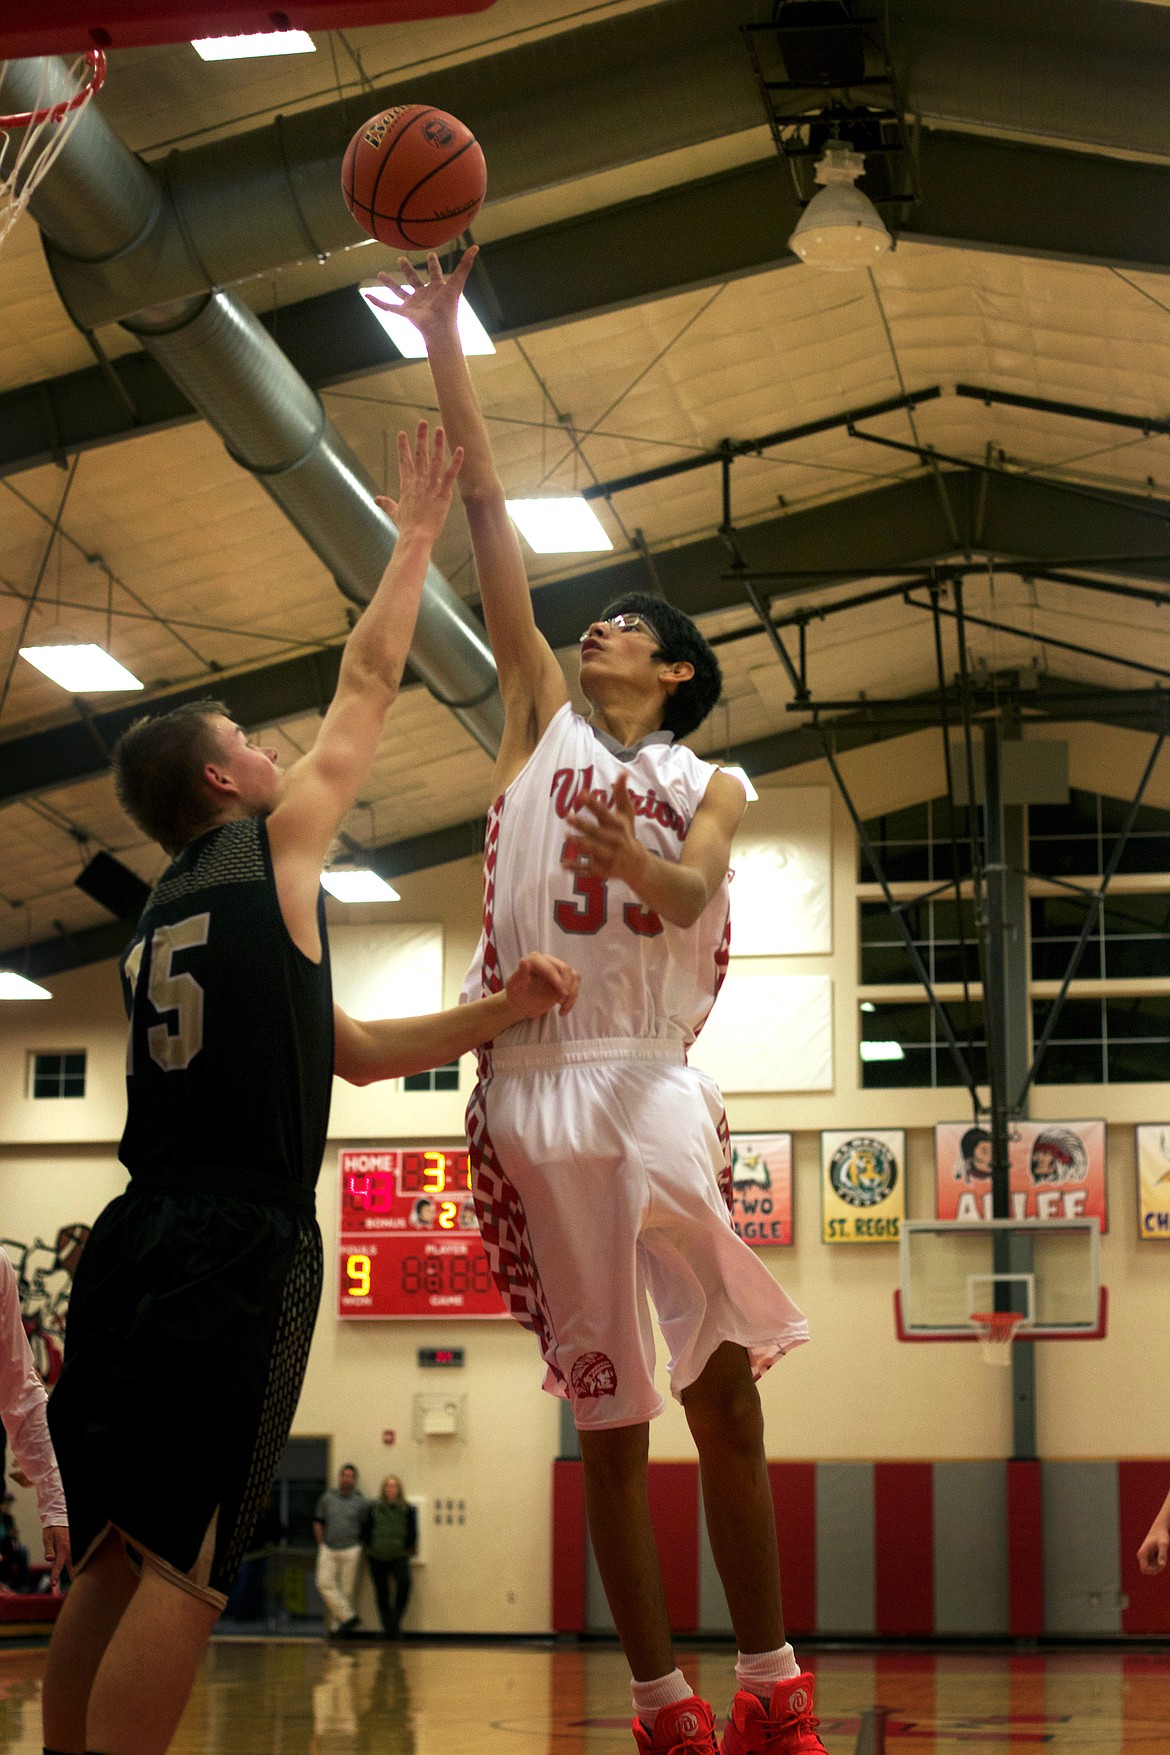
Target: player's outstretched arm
{"type": "Point", "coordinates": [531, 681]}
{"type": "Point", "coordinates": [1154, 1551]}
{"type": "Point", "coordinates": [318, 790]}
{"type": "Point", "coordinates": [389, 1048]}
{"type": "Point", "coordinates": [604, 844]}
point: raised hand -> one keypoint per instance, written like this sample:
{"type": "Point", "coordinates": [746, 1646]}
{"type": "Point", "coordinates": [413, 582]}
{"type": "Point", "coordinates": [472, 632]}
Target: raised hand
{"type": "Point", "coordinates": [604, 842]}
{"type": "Point", "coordinates": [540, 982]}
{"type": "Point", "coordinates": [426, 481]}
{"type": "Point", "coordinates": [431, 305]}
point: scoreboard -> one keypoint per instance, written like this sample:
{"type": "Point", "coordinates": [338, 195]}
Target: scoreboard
{"type": "Point", "coordinates": [408, 1239]}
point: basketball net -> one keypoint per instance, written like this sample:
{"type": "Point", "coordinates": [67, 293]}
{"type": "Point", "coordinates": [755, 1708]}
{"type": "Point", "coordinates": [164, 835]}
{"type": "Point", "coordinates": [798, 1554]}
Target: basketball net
{"type": "Point", "coordinates": [31, 139]}
{"type": "Point", "coordinates": [997, 1330]}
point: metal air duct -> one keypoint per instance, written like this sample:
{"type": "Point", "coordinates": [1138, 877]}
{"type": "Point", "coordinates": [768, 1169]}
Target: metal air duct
{"type": "Point", "coordinates": [98, 199]}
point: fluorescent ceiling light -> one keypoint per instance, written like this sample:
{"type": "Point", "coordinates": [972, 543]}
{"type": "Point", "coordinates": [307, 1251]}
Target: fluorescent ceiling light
{"type": "Point", "coordinates": [247, 48]}
{"type": "Point", "coordinates": [13, 986]}
{"type": "Point", "coordinates": [473, 337]}
{"type": "Point", "coordinates": [565, 525]}
{"type": "Point", "coordinates": [867, 1005]}
{"type": "Point", "coordinates": [737, 773]}
{"type": "Point", "coordinates": [358, 886]}
{"type": "Point", "coordinates": [83, 670]}
{"type": "Point", "coordinates": [882, 1051]}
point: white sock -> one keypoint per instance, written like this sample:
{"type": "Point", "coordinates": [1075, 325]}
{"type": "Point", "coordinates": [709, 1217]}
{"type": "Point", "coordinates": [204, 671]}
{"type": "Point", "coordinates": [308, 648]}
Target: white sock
{"type": "Point", "coordinates": [651, 1697]}
{"type": "Point", "coordinates": [759, 1671]}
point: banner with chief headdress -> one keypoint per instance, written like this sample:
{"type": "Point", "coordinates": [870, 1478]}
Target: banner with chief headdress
{"type": "Point", "coordinates": [1056, 1171]}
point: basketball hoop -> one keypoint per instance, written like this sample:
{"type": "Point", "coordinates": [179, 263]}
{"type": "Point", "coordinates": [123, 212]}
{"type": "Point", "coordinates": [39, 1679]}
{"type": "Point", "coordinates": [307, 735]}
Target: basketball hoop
{"type": "Point", "coordinates": [997, 1330]}
{"type": "Point", "coordinates": [31, 139]}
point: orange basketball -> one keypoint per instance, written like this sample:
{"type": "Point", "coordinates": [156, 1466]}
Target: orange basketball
{"type": "Point", "coordinates": [413, 177]}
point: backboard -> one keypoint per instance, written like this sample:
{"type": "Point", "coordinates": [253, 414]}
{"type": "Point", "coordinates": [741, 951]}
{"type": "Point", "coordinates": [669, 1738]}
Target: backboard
{"type": "Point", "coordinates": [1047, 1272]}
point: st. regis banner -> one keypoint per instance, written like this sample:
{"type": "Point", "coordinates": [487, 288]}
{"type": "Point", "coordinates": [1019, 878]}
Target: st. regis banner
{"type": "Point", "coordinates": [1057, 1170]}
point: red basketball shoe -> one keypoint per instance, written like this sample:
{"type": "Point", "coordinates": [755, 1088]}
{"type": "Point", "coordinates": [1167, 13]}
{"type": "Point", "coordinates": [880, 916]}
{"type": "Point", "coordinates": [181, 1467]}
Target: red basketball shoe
{"type": "Point", "coordinates": [786, 1728]}
{"type": "Point", "coordinates": [686, 1728]}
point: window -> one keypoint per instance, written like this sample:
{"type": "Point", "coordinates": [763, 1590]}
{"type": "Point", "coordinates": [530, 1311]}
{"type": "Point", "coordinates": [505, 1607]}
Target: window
{"type": "Point", "coordinates": [1077, 839]}
{"type": "Point", "coordinates": [438, 1078]}
{"type": "Point", "coordinates": [60, 1074]}
{"type": "Point", "coordinates": [1106, 1040]}
{"type": "Point", "coordinates": [1131, 936]}
{"type": "Point", "coordinates": [914, 846]}
{"type": "Point", "coordinates": [912, 1047]}
{"type": "Point", "coordinates": [935, 928]}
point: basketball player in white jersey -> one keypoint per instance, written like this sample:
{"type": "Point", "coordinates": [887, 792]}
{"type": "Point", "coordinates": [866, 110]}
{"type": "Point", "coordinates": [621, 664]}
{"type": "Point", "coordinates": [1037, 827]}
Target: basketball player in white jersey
{"type": "Point", "coordinates": [601, 1161]}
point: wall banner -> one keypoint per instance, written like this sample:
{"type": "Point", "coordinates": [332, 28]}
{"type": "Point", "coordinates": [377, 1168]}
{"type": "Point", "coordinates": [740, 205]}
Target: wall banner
{"type": "Point", "coordinates": [863, 1185]}
{"type": "Point", "coordinates": [1057, 1170]}
{"type": "Point", "coordinates": [761, 1184]}
{"type": "Point", "coordinates": [1153, 1168]}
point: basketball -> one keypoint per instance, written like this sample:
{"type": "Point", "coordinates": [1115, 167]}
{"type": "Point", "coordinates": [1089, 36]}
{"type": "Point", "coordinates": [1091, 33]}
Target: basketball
{"type": "Point", "coordinates": [413, 177]}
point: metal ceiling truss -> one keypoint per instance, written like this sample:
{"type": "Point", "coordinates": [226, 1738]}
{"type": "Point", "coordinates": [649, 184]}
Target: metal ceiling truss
{"type": "Point", "coordinates": [824, 73]}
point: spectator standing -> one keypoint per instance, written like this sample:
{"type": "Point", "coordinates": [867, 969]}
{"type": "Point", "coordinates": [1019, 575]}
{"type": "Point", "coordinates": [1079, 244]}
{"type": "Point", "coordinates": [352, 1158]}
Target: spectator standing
{"type": "Point", "coordinates": [22, 1410]}
{"type": "Point", "coordinates": [338, 1528]}
{"type": "Point", "coordinates": [392, 1542]}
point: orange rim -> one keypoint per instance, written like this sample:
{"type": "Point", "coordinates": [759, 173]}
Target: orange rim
{"type": "Point", "coordinates": [94, 79]}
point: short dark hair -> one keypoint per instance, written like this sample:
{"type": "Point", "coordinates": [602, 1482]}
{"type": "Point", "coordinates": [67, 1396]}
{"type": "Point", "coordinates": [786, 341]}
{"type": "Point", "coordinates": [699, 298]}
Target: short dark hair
{"type": "Point", "coordinates": [352, 1467]}
{"type": "Point", "coordinates": [679, 641]}
{"type": "Point", "coordinates": [158, 772]}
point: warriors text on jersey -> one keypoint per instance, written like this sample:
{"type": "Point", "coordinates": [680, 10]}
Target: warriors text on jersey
{"type": "Point", "coordinates": [641, 976]}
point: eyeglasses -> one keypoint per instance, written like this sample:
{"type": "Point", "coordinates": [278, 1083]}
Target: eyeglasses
{"type": "Point", "coordinates": [626, 624]}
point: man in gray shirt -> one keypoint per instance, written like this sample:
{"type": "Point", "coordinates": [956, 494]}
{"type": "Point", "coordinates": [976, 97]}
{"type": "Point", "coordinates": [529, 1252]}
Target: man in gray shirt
{"type": "Point", "coordinates": [338, 1526]}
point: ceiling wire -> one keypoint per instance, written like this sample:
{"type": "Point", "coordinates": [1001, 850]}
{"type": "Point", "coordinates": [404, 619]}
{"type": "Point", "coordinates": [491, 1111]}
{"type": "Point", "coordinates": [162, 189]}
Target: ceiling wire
{"type": "Point", "coordinates": [97, 560]}
{"type": "Point", "coordinates": [574, 435]}
{"type": "Point", "coordinates": [30, 602]}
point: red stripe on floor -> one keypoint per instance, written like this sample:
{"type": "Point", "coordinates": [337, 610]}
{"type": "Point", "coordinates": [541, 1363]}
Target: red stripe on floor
{"type": "Point", "coordinates": [903, 1508]}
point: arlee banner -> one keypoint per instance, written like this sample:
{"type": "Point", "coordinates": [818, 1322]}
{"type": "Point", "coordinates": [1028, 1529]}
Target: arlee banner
{"type": "Point", "coordinates": [761, 1184]}
{"type": "Point", "coordinates": [1153, 1168]}
{"type": "Point", "coordinates": [863, 1185]}
{"type": "Point", "coordinates": [1057, 1170]}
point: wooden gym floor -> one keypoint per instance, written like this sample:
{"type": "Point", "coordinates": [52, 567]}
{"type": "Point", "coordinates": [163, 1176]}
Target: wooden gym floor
{"type": "Point", "coordinates": [257, 1697]}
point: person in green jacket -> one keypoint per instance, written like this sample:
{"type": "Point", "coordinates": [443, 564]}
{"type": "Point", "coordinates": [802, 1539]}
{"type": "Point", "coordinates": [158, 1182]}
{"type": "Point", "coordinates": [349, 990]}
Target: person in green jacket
{"type": "Point", "coordinates": [391, 1540]}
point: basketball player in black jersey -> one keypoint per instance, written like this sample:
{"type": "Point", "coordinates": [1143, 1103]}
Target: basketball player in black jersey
{"type": "Point", "coordinates": [194, 1303]}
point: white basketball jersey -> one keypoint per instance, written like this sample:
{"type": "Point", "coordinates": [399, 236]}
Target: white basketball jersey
{"type": "Point", "coordinates": [640, 976]}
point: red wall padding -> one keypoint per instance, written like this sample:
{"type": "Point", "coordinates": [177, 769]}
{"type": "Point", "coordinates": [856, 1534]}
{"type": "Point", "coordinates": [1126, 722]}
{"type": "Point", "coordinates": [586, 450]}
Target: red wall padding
{"type": "Point", "coordinates": [1141, 1487]}
{"type": "Point", "coordinates": [903, 1542]}
{"type": "Point", "coordinates": [674, 1511]}
{"type": "Point", "coordinates": [1025, 1543]}
{"type": "Point", "coordinates": [568, 1548]}
{"type": "Point", "coordinates": [794, 1496]}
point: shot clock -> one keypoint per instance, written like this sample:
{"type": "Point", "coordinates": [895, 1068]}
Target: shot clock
{"type": "Point", "coordinates": [408, 1241]}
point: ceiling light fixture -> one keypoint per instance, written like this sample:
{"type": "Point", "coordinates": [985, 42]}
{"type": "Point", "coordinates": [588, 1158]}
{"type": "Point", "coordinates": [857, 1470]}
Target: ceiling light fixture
{"type": "Point", "coordinates": [13, 986]}
{"type": "Point", "coordinates": [473, 337]}
{"type": "Point", "coordinates": [562, 525]}
{"type": "Point", "coordinates": [358, 886]}
{"type": "Point", "coordinates": [840, 228]}
{"type": "Point", "coordinates": [256, 43]}
{"type": "Point", "coordinates": [82, 669]}
{"type": "Point", "coordinates": [740, 774]}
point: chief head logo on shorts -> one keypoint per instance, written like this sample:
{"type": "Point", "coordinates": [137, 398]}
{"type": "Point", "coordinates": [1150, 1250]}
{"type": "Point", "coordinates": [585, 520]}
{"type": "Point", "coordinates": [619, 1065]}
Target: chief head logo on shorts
{"type": "Point", "coordinates": [863, 1171]}
{"type": "Point", "coordinates": [593, 1375]}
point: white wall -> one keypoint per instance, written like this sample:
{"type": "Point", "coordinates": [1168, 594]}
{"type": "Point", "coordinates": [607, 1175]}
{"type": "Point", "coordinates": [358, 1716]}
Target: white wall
{"type": "Point", "coordinates": [854, 1391]}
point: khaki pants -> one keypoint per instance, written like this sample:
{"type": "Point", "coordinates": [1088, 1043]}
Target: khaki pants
{"type": "Point", "coordinates": [337, 1570]}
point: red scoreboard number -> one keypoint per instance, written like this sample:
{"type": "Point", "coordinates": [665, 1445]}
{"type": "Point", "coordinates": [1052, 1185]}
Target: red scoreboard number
{"type": "Point", "coordinates": [408, 1240]}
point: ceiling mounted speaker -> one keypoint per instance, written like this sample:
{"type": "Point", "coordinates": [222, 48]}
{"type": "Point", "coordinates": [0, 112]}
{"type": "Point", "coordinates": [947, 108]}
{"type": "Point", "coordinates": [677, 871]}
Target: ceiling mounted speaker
{"type": "Point", "coordinates": [114, 885]}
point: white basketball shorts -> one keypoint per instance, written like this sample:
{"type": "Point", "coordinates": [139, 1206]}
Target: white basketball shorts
{"type": "Point", "coordinates": [597, 1169]}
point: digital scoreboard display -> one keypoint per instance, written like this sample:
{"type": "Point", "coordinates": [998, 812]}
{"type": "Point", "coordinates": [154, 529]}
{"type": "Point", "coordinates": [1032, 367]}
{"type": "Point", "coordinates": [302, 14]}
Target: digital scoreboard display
{"type": "Point", "coordinates": [408, 1239]}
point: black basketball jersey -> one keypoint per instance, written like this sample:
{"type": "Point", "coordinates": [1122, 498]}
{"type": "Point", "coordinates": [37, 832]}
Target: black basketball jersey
{"type": "Point", "coordinates": [230, 1060]}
